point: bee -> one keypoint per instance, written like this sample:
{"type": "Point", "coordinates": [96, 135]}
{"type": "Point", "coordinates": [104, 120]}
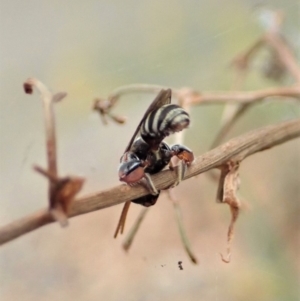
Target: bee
{"type": "Point", "coordinates": [149, 154]}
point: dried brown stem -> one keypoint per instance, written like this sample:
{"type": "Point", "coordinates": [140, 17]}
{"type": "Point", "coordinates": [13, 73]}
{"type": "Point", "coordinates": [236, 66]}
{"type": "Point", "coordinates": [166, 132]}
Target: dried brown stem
{"type": "Point", "coordinates": [229, 123]}
{"type": "Point", "coordinates": [61, 190]}
{"type": "Point", "coordinates": [284, 54]}
{"type": "Point", "coordinates": [235, 149]}
{"type": "Point", "coordinates": [182, 232]}
{"type": "Point", "coordinates": [134, 88]}
{"type": "Point", "coordinates": [245, 101]}
{"type": "Point", "coordinates": [232, 112]}
{"type": "Point", "coordinates": [243, 97]}
{"type": "Point", "coordinates": [284, 57]}
{"type": "Point", "coordinates": [192, 97]}
{"type": "Point", "coordinates": [241, 62]}
{"type": "Point", "coordinates": [227, 193]}
{"type": "Point", "coordinates": [47, 99]}
{"type": "Point", "coordinates": [274, 40]}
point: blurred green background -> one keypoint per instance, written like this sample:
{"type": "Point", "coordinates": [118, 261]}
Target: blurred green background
{"type": "Point", "coordinates": [89, 48]}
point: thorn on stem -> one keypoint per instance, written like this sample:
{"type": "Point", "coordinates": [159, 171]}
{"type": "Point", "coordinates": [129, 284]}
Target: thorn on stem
{"type": "Point", "coordinates": [62, 195]}
{"type": "Point", "coordinates": [59, 96]}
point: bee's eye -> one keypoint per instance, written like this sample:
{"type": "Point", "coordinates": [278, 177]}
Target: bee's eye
{"type": "Point", "coordinates": [131, 172]}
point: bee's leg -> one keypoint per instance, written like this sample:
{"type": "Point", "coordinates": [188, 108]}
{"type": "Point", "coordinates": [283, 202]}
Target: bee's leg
{"type": "Point", "coordinates": [132, 232]}
{"type": "Point", "coordinates": [180, 172]}
{"type": "Point", "coordinates": [183, 153]}
{"type": "Point", "coordinates": [186, 157]}
{"type": "Point", "coordinates": [182, 166]}
{"type": "Point", "coordinates": [147, 182]}
{"type": "Point", "coordinates": [147, 201]}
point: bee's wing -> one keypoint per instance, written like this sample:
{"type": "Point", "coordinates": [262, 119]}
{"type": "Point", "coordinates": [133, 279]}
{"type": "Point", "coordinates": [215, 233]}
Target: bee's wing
{"type": "Point", "coordinates": [163, 98]}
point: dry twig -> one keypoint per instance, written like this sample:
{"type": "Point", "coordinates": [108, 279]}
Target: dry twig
{"type": "Point", "coordinates": [236, 149]}
{"type": "Point", "coordinates": [61, 190]}
{"type": "Point", "coordinates": [182, 232]}
{"type": "Point", "coordinates": [282, 60]}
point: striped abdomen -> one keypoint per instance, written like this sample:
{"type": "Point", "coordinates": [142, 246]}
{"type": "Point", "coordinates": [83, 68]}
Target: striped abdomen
{"type": "Point", "coordinates": [162, 122]}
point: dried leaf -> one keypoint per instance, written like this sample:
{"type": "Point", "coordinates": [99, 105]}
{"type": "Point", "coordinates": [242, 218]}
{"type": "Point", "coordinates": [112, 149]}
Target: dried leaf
{"type": "Point", "coordinates": [231, 183]}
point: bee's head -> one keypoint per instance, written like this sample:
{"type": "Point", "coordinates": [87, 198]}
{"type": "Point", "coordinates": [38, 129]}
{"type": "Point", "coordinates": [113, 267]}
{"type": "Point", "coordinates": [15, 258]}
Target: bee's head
{"type": "Point", "coordinates": [131, 170]}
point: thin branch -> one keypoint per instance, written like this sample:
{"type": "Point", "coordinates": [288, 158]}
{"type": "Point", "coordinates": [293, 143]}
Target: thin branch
{"type": "Point", "coordinates": [243, 97]}
{"type": "Point", "coordinates": [284, 54]}
{"type": "Point", "coordinates": [178, 215]}
{"type": "Point", "coordinates": [235, 149]}
{"type": "Point", "coordinates": [134, 88]}
{"type": "Point", "coordinates": [275, 40]}
{"type": "Point", "coordinates": [190, 96]}
{"type": "Point", "coordinates": [61, 191]}
{"type": "Point", "coordinates": [232, 112]}
{"type": "Point", "coordinates": [47, 99]}
{"type": "Point", "coordinates": [282, 58]}
{"type": "Point", "coordinates": [229, 123]}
